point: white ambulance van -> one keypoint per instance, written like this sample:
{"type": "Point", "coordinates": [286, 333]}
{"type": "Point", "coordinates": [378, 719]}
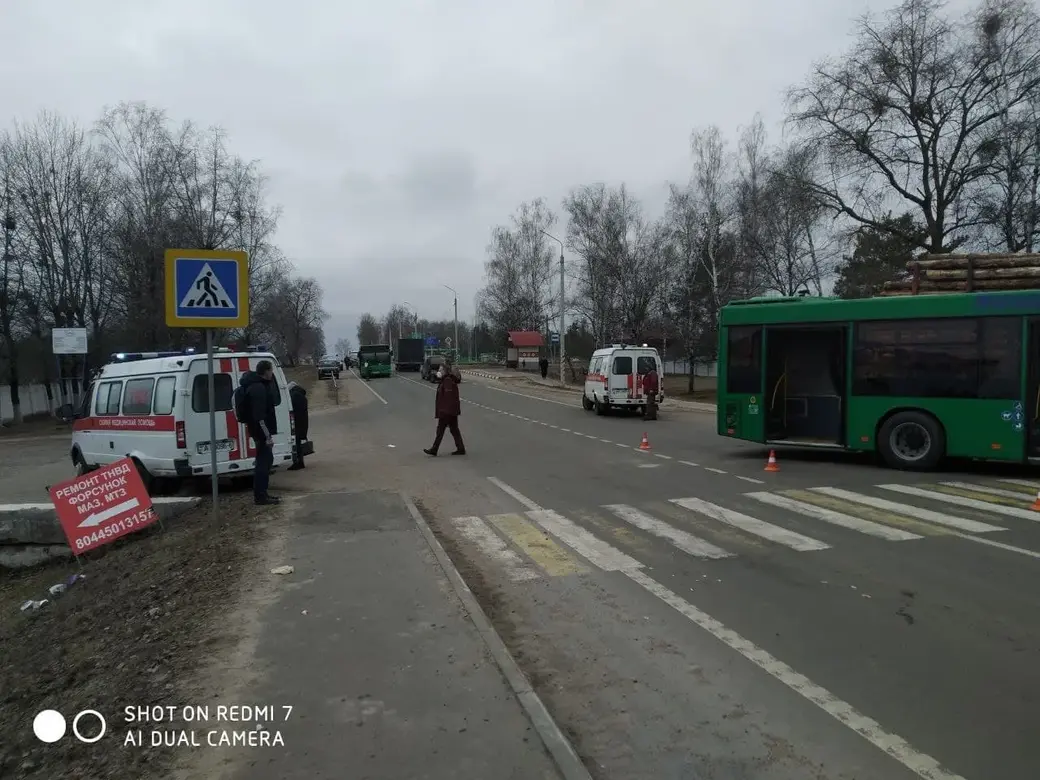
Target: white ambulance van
{"type": "Point", "coordinates": [153, 407]}
{"type": "Point", "coordinates": [615, 378]}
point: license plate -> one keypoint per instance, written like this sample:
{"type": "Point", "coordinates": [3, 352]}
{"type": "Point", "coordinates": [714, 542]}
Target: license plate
{"type": "Point", "coordinates": [224, 445]}
{"type": "Point", "coordinates": [619, 391]}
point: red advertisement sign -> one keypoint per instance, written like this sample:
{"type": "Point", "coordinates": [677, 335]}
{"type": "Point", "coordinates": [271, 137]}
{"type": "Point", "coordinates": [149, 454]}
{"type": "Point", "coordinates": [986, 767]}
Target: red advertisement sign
{"type": "Point", "coordinates": [102, 506]}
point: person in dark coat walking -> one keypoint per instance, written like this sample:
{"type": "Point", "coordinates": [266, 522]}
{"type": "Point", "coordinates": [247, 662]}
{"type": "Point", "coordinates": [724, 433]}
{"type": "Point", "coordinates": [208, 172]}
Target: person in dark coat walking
{"type": "Point", "coordinates": [298, 398]}
{"type": "Point", "coordinates": [543, 366]}
{"type": "Point", "coordinates": [447, 408]}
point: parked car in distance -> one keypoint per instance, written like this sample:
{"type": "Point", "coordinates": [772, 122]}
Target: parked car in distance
{"type": "Point", "coordinates": [329, 366]}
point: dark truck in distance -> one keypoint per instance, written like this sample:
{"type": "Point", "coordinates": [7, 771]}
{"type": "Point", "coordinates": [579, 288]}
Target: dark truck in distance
{"type": "Point", "coordinates": [410, 354]}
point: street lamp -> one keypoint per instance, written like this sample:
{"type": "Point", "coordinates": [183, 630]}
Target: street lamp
{"type": "Point", "coordinates": [456, 344]}
{"type": "Point", "coordinates": [563, 353]}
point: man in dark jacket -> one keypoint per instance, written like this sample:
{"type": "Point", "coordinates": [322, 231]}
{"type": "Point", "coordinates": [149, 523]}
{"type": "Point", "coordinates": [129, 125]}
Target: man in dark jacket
{"type": "Point", "coordinates": [543, 366]}
{"type": "Point", "coordinates": [447, 408]}
{"type": "Point", "coordinates": [262, 425]}
{"type": "Point", "coordinates": [298, 397]}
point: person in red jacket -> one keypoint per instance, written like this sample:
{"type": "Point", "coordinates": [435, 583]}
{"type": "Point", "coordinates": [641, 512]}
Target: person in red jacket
{"type": "Point", "coordinates": [651, 386]}
{"type": "Point", "coordinates": [447, 408]}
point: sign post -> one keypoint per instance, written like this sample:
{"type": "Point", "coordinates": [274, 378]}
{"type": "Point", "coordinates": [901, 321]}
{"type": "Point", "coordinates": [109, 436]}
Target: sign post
{"type": "Point", "coordinates": [67, 341]}
{"type": "Point", "coordinates": [207, 289]}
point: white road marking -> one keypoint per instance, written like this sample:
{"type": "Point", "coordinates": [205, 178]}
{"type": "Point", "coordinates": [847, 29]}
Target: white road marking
{"type": "Point", "coordinates": [659, 455]}
{"type": "Point", "coordinates": [751, 525]}
{"type": "Point", "coordinates": [606, 441]}
{"type": "Point", "coordinates": [619, 444]}
{"type": "Point", "coordinates": [584, 543]}
{"type": "Point", "coordinates": [1001, 545]}
{"type": "Point", "coordinates": [949, 521]}
{"type": "Point", "coordinates": [369, 386]}
{"type": "Point", "coordinates": [1024, 482]}
{"type": "Point", "coordinates": [492, 545]}
{"type": "Point", "coordinates": [717, 471]}
{"type": "Point", "coordinates": [970, 503]}
{"type": "Point", "coordinates": [748, 479]}
{"type": "Point", "coordinates": [835, 518]}
{"type": "Point", "coordinates": [987, 489]}
{"type": "Point", "coordinates": [528, 503]}
{"type": "Point", "coordinates": [649, 466]}
{"type": "Point", "coordinates": [689, 463]}
{"type": "Point", "coordinates": [532, 397]}
{"type": "Point", "coordinates": [921, 764]}
{"type": "Point", "coordinates": [565, 430]}
{"type": "Point", "coordinates": [688, 543]}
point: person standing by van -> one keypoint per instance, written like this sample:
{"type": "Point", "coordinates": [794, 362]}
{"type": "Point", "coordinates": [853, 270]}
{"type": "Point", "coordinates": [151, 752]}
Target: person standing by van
{"type": "Point", "coordinates": [543, 366]}
{"type": "Point", "coordinates": [447, 408]}
{"type": "Point", "coordinates": [262, 424]}
{"type": "Point", "coordinates": [651, 386]}
{"type": "Point", "coordinates": [298, 397]}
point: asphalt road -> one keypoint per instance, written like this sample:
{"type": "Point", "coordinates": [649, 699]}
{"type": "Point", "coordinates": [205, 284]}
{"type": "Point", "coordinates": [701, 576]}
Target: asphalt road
{"type": "Point", "coordinates": [685, 614]}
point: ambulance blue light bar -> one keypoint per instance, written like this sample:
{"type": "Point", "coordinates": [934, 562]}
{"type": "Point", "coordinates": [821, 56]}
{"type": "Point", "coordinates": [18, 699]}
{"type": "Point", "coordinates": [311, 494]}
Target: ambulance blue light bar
{"type": "Point", "coordinates": [128, 357]}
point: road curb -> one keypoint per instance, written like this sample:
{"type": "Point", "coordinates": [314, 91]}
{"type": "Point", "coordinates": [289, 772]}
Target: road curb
{"type": "Point", "coordinates": [559, 747]}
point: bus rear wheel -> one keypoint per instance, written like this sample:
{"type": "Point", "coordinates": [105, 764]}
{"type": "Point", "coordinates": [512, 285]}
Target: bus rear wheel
{"type": "Point", "coordinates": [912, 441]}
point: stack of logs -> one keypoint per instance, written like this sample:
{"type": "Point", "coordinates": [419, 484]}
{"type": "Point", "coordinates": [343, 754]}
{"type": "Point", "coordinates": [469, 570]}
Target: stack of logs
{"type": "Point", "coordinates": [967, 273]}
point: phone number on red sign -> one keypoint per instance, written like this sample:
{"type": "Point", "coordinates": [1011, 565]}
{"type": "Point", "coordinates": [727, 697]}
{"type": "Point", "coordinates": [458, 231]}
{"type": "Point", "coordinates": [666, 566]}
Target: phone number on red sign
{"type": "Point", "coordinates": [135, 520]}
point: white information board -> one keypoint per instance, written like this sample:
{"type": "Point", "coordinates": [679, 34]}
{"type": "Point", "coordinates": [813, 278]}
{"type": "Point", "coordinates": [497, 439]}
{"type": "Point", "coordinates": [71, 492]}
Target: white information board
{"type": "Point", "coordinates": [69, 341]}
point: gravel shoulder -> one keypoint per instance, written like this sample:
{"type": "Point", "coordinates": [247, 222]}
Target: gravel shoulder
{"type": "Point", "coordinates": [137, 630]}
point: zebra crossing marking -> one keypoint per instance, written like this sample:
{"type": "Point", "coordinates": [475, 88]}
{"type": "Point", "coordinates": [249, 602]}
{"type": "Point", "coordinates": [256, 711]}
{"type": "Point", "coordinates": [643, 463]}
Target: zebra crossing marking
{"type": "Point", "coordinates": [687, 542]}
{"type": "Point", "coordinates": [965, 501]}
{"type": "Point", "coordinates": [544, 551]}
{"type": "Point", "coordinates": [929, 516]}
{"type": "Point", "coordinates": [751, 525]}
{"type": "Point", "coordinates": [835, 518]}
{"type": "Point", "coordinates": [1017, 495]}
{"type": "Point", "coordinates": [491, 544]}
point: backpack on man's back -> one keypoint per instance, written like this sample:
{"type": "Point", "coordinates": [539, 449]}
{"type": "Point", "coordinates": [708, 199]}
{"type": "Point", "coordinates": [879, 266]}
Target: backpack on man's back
{"type": "Point", "coordinates": [243, 406]}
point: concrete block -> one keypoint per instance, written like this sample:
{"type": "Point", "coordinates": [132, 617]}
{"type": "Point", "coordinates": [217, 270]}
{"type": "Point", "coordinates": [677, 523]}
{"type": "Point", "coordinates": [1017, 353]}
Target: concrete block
{"type": "Point", "coordinates": [30, 534]}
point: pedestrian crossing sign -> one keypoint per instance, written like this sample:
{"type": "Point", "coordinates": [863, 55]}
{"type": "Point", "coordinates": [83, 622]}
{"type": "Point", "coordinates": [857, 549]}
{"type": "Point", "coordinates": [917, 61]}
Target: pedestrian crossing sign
{"type": "Point", "coordinates": [207, 288]}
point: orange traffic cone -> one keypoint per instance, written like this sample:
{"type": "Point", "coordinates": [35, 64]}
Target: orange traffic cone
{"type": "Point", "coordinates": [1036, 504]}
{"type": "Point", "coordinates": [645, 443]}
{"type": "Point", "coordinates": [771, 464]}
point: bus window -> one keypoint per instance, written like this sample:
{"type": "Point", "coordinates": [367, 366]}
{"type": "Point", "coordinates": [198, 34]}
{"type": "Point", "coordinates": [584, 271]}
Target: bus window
{"type": "Point", "coordinates": [947, 358]}
{"type": "Point", "coordinates": [744, 360]}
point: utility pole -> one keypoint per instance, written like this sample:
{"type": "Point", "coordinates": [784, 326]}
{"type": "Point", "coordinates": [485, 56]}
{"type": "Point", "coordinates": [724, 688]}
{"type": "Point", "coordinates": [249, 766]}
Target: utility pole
{"type": "Point", "coordinates": [563, 307]}
{"type": "Point", "coordinates": [455, 345]}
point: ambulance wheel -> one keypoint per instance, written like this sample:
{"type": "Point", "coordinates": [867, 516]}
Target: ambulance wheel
{"type": "Point", "coordinates": [81, 465]}
{"type": "Point", "coordinates": [586, 404]}
{"type": "Point", "coordinates": [146, 478]}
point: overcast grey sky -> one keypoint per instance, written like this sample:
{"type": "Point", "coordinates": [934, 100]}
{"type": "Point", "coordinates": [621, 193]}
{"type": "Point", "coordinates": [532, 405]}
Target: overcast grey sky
{"type": "Point", "coordinates": [397, 133]}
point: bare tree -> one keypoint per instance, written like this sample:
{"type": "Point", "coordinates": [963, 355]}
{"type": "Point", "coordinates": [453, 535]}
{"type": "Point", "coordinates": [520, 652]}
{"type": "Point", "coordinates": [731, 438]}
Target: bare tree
{"type": "Point", "coordinates": [908, 114]}
{"type": "Point", "coordinates": [138, 141]}
{"type": "Point", "coordinates": [1007, 199]}
{"type": "Point", "coordinates": [369, 331]}
{"type": "Point", "coordinates": [343, 347]}
{"type": "Point", "coordinates": [298, 316]}
{"type": "Point", "coordinates": [519, 290]}
{"type": "Point", "coordinates": [750, 204]}
{"type": "Point", "coordinates": [12, 285]}
{"type": "Point", "coordinates": [796, 250]}
{"type": "Point", "coordinates": [621, 270]}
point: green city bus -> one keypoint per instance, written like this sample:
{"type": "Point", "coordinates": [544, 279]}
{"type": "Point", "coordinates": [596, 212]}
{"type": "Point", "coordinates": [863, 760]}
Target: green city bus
{"type": "Point", "coordinates": [915, 377]}
{"type": "Point", "coordinates": [375, 360]}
